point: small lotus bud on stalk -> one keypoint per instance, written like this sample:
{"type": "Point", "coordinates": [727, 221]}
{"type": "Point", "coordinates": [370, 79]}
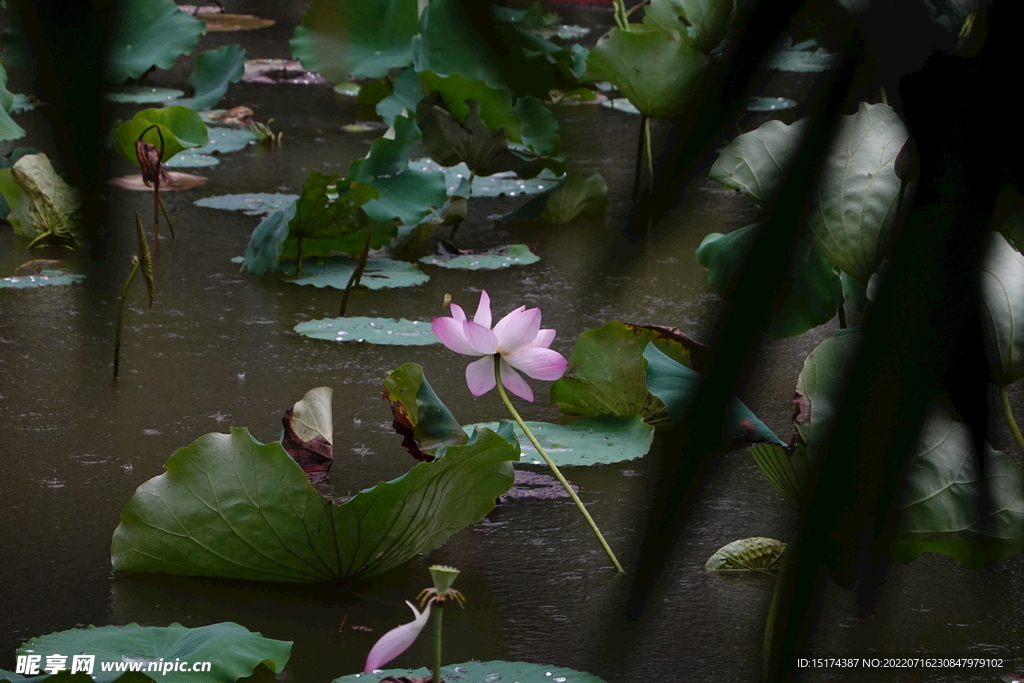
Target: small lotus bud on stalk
{"type": "Point", "coordinates": [153, 174]}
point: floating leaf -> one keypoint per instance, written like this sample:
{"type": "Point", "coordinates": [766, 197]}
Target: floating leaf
{"type": "Point", "coordinates": [142, 94]}
{"type": "Point", "coordinates": [233, 651]}
{"type": "Point", "coordinates": [607, 373]}
{"type": "Point", "coordinates": [379, 274]}
{"type": "Point", "coordinates": [280, 71]}
{"type": "Point", "coordinates": [225, 140]}
{"type": "Point", "coordinates": [801, 57]}
{"type": "Point", "coordinates": [755, 554]}
{"type": "Point", "coordinates": [214, 70]}
{"type": "Point", "coordinates": [180, 128]}
{"type": "Point", "coordinates": [149, 33]}
{"type": "Point", "coordinates": [231, 507]}
{"type": "Point", "coordinates": [676, 386]}
{"type": "Point", "coordinates": [701, 23]}
{"type": "Point", "coordinates": [785, 468]}
{"type": "Point", "coordinates": [1002, 309]}
{"type": "Point", "coordinates": [217, 22]}
{"type": "Point", "coordinates": [571, 199]}
{"type": "Point", "coordinates": [45, 278]}
{"type": "Point", "coordinates": [857, 190]}
{"type": "Point", "coordinates": [386, 331]}
{"type": "Point", "coordinates": [251, 204]}
{"type": "Point", "coordinates": [420, 416]}
{"type": "Point", "coordinates": [356, 39]}
{"type": "Point", "coordinates": [756, 162]}
{"type": "Point", "coordinates": [496, 185]}
{"type": "Point", "coordinates": [770, 104]}
{"type": "Point", "coordinates": [655, 69]}
{"type": "Point", "coordinates": [308, 434]}
{"type": "Point", "coordinates": [590, 441]}
{"type": "Point", "coordinates": [179, 181]}
{"type": "Point", "coordinates": [490, 259]}
{"type": "Point", "coordinates": [944, 495]}
{"type": "Point", "coordinates": [190, 159]}
{"type": "Point", "coordinates": [814, 291]}
{"type": "Point", "coordinates": [483, 672]}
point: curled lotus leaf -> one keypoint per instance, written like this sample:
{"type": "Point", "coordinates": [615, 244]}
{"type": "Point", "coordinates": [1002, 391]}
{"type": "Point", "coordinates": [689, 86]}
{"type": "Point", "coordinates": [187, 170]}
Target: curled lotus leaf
{"type": "Point", "coordinates": [757, 554]}
{"type": "Point", "coordinates": [422, 419]}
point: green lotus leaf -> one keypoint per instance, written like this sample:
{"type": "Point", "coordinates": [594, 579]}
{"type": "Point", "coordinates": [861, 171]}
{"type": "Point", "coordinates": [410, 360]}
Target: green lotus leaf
{"type": "Point", "coordinates": [756, 162]}
{"type": "Point", "coordinates": [814, 294]}
{"type": "Point", "coordinates": [9, 129]}
{"type": "Point", "coordinates": [491, 259]}
{"type": "Point", "coordinates": [213, 72]}
{"type": "Point", "coordinates": [820, 386]}
{"type": "Point", "coordinates": [854, 292]}
{"type": "Point", "coordinates": [607, 373]}
{"type": "Point", "coordinates": [142, 94]}
{"type": "Point", "coordinates": [80, 677]}
{"type": "Point", "coordinates": [701, 23]}
{"type": "Point", "coordinates": [448, 44]}
{"type": "Point", "coordinates": [420, 416]}
{"type": "Point", "coordinates": [318, 216]}
{"type": "Point", "coordinates": [785, 468]}
{"type": "Point", "coordinates": [483, 672]}
{"type": "Point", "coordinates": [406, 93]}
{"type": "Point", "coordinates": [233, 651]}
{"type": "Point", "coordinates": [42, 206]}
{"type": "Point", "coordinates": [378, 274]}
{"type": "Point", "coordinates": [349, 242]}
{"type": "Point", "coordinates": [231, 507]}
{"type": "Point", "coordinates": [1002, 309]}
{"type": "Point", "coordinates": [506, 183]}
{"type": "Point", "coordinates": [755, 554]}
{"type": "Point", "coordinates": [494, 104]}
{"type": "Point", "coordinates": [190, 159]}
{"type": "Point", "coordinates": [264, 250]}
{"type": "Point", "coordinates": [676, 385]}
{"type": "Point", "coordinates": [365, 39]}
{"type": "Point", "coordinates": [251, 203]}
{"type": "Point", "coordinates": [385, 331]}
{"type": "Point", "coordinates": [573, 198]}
{"type": "Point", "coordinates": [452, 213]}
{"type": "Point", "coordinates": [942, 502]}
{"type": "Point", "coordinates": [45, 278]}
{"type": "Point", "coordinates": [656, 69]}
{"type": "Point", "coordinates": [224, 141]}
{"type": "Point", "coordinates": [540, 127]}
{"type": "Point", "coordinates": [181, 128]}
{"type": "Point", "coordinates": [590, 441]}
{"type": "Point", "coordinates": [857, 189]}
{"type": "Point", "coordinates": [149, 33]}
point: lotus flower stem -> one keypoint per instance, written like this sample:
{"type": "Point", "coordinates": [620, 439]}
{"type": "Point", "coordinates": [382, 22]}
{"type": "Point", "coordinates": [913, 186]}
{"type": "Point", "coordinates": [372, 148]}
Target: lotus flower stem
{"type": "Point", "coordinates": [621, 15]}
{"type": "Point", "coordinates": [167, 217]}
{"type": "Point", "coordinates": [438, 614]}
{"type": "Point", "coordinates": [650, 171]}
{"type": "Point", "coordinates": [1008, 413]}
{"type": "Point", "coordinates": [841, 311]}
{"type": "Point", "coordinates": [357, 274]}
{"type": "Point", "coordinates": [554, 468]}
{"type": "Point", "coordinates": [298, 250]}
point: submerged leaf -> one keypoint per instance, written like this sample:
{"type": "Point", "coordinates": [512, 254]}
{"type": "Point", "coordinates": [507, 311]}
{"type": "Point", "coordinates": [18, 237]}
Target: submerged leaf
{"type": "Point", "coordinates": [231, 507]}
{"type": "Point", "coordinates": [308, 433]}
{"type": "Point", "coordinates": [45, 278]}
{"type": "Point", "coordinates": [755, 554]}
{"type": "Point", "coordinates": [233, 651]}
{"type": "Point", "coordinates": [385, 331]}
{"type": "Point", "coordinates": [422, 419]}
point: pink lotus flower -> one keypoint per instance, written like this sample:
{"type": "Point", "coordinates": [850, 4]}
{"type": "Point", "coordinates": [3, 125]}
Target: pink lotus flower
{"type": "Point", "coordinates": [517, 339]}
{"type": "Point", "coordinates": [397, 640]}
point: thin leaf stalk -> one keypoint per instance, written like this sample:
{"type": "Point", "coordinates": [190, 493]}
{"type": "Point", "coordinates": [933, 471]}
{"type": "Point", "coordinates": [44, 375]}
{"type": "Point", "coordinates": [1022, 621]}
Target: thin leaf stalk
{"type": "Point", "coordinates": [621, 16]}
{"type": "Point", "coordinates": [357, 274]}
{"type": "Point", "coordinates": [553, 467]}
{"type": "Point", "coordinates": [650, 171]}
{"type": "Point", "coordinates": [1008, 414]}
{"type": "Point", "coordinates": [167, 217]}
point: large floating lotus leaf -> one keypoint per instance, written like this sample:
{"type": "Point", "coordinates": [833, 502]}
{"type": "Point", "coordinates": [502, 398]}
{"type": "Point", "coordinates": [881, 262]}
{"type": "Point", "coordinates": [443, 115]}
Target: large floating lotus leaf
{"type": "Point", "coordinates": [448, 45]}
{"type": "Point", "coordinates": [756, 162]}
{"type": "Point", "coordinates": [225, 140]}
{"type": "Point", "coordinates": [494, 104]}
{"type": "Point", "coordinates": [181, 127]}
{"type": "Point", "coordinates": [820, 387]}
{"type": "Point", "coordinates": [378, 274]}
{"type": "Point", "coordinates": [42, 205]}
{"type": "Point", "coordinates": [483, 672]}
{"type": "Point", "coordinates": [362, 39]}
{"type": "Point", "coordinates": [656, 69]}
{"type": "Point", "coordinates": [233, 651]}
{"type": "Point", "coordinates": [492, 259]}
{"type": "Point", "coordinates": [405, 95]}
{"type": "Point", "coordinates": [590, 441]}
{"type": "Point", "coordinates": [676, 385]}
{"type": "Point", "coordinates": [231, 507]}
{"type": "Point", "coordinates": [574, 198]}
{"type": "Point", "coordinates": [385, 331]}
{"type": "Point", "coordinates": [264, 250]}
{"type": "Point", "coordinates": [404, 193]}
{"type": "Point", "coordinates": [1002, 309]}
{"type": "Point", "coordinates": [213, 72]}
{"type": "Point", "coordinates": [189, 159]}
{"type": "Point", "coordinates": [701, 23]}
{"type": "Point", "coordinates": [857, 189]}
{"type": "Point", "coordinates": [785, 468]}
{"type": "Point", "coordinates": [45, 278]}
{"type": "Point", "coordinates": [424, 422]}
{"type": "Point", "coordinates": [496, 185]}
{"type": "Point", "coordinates": [755, 554]}
{"type": "Point", "coordinates": [251, 204]}
{"type": "Point", "coordinates": [607, 373]}
{"type": "Point", "coordinates": [814, 294]}
{"type": "Point", "coordinates": [941, 509]}
{"type": "Point", "coordinates": [149, 33]}
{"type": "Point", "coordinates": [142, 94]}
